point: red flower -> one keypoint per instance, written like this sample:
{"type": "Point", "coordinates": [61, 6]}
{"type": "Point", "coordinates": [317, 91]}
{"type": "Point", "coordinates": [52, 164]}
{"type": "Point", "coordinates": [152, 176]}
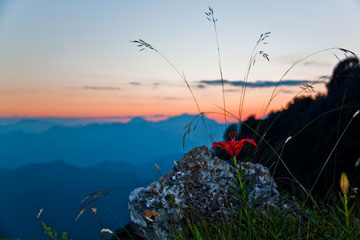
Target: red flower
{"type": "Point", "coordinates": [233, 147]}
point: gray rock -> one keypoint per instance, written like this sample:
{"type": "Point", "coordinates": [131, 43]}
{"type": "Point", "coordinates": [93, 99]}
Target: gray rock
{"type": "Point", "coordinates": [200, 186]}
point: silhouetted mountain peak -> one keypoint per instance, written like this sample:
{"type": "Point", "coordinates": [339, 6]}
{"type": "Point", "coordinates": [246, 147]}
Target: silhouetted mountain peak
{"type": "Point", "coordinates": [182, 117]}
{"type": "Point", "coordinates": [137, 120]}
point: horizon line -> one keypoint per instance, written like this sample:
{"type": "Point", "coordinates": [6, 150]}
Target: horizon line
{"type": "Point", "coordinates": [109, 119]}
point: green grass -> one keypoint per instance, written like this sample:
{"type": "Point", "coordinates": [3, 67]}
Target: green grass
{"type": "Point", "coordinates": [336, 218]}
{"type": "Point", "coordinates": [53, 234]}
{"type": "Point", "coordinates": [325, 220]}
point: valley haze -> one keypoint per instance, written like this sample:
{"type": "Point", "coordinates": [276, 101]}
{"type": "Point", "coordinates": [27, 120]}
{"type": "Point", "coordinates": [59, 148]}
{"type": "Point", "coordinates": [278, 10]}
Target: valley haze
{"type": "Point", "coordinates": [53, 163]}
{"type": "Point", "coordinates": [85, 144]}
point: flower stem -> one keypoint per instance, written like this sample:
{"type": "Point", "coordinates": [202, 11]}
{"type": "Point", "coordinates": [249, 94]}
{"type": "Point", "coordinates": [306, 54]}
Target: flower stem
{"type": "Point", "coordinates": [239, 174]}
{"type": "Point", "coordinates": [346, 211]}
{"type": "Point", "coordinates": [235, 162]}
{"type": "Point", "coordinates": [244, 198]}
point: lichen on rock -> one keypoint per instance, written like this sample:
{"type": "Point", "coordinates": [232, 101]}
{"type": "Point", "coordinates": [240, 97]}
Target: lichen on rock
{"type": "Point", "coordinates": [199, 187]}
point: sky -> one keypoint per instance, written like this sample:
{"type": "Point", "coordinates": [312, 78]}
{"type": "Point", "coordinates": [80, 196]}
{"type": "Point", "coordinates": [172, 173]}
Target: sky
{"type": "Point", "coordinates": [75, 59]}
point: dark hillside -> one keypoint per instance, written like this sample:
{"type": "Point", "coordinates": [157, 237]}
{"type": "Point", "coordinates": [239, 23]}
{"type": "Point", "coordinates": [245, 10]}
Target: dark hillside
{"type": "Point", "coordinates": [315, 125]}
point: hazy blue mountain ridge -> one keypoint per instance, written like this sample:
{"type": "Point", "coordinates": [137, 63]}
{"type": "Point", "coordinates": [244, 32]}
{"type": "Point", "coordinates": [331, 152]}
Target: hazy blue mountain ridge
{"type": "Point", "coordinates": [137, 141]}
{"type": "Point", "coordinates": [55, 168]}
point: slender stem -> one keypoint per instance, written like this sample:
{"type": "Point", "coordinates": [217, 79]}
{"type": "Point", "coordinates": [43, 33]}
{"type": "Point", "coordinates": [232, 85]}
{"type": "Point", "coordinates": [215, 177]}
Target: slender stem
{"type": "Point", "coordinates": [244, 197]}
{"type": "Point", "coordinates": [239, 175]}
{"type": "Point", "coordinates": [246, 77]}
{"type": "Point", "coordinates": [143, 44]}
{"type": "Point", "coordinates": [220, 69]}
{"type": "Point", "coordinates": [182, 76]}
{"type": "Point", "coordinates": [346, 211]}
{"type": "Point", "coordinates": [213, 20]}
{"type": "Point", "coordinates": [327, 160]}
{"type": "Point", "coordinates": [235, 162]}
{"type": "Point", "coordinates": [301, 59]}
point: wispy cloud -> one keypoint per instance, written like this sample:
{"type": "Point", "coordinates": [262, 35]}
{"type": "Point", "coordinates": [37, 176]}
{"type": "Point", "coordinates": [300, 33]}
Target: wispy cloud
{"type": "Point", "coordinates": [324, 77]}
{"type": "Point", "coordinates": [156, 85]}
{"type": "Point", "coordinates": [287, 91]}
{"type": "Point", "coordinates": [292, 58]}
{"type": "Point", "coordinates": [257, 84]}
{"type": "Point", "coordinates": [171, 98]}
{"type": "Point", "coordinates": [135, 83]}
{"type": "Point", "coordinates": [317, 63]}
{"type": "Point", "coordinates": [102, 88]}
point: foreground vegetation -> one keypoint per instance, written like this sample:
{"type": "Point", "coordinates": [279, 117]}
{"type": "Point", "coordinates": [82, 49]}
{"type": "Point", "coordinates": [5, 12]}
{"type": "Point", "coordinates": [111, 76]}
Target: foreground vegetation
{"type": "Point", "coordinates": [335, 219]}
{"type": "Point", "coordinates": [324, 222]}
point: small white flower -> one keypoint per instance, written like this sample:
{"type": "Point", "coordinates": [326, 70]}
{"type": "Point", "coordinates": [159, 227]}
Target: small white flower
{"type": "Point", "coordinates": [355, 189]}
{"type": "Point", "coordinates": [357, 164]}
{"type": "Point", "coordinates": [355, 114]}
{"type": "Point", "coordinates": [106, 230]}
{"type": "Point", "coordinates": [40, 212]}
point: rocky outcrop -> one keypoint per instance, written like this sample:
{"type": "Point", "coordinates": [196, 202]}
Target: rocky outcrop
{"type": "Point", "coordinates": [199, 186]}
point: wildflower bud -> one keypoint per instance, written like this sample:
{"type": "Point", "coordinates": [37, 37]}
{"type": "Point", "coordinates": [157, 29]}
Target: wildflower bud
{"type": "Point", "coordinates": [344, 183]}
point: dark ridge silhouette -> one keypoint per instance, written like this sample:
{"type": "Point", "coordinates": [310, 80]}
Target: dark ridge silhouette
{"type": "Point", "coordinates": [315, 124]}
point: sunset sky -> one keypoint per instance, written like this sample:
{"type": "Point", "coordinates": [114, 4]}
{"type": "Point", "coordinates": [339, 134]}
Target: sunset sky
{"type": "Point", "coordinates": [75, 59]}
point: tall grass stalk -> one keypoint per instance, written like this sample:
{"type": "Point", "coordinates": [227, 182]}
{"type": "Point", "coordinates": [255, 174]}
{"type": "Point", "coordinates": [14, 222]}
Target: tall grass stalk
{"type": "Point", "coordinates": [211, 17]}
{"type": "Point", "coordinates": [144, 45]}
{"type": "Point", "coordinates": [251, 63]}
{"type": "Point", "coordinates": [332, 151]}
{"type": "Point", "coordinates": [339, 122]}
{"type": "Point", "coordinates": [298, 61]}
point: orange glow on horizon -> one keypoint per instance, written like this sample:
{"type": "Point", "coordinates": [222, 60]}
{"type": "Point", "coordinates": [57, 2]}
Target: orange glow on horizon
{"type": "Point", "coordinates": [112, 104]}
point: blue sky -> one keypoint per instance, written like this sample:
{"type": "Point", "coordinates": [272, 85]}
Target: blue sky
{"type": "Point", "coordinates": [74, 58]}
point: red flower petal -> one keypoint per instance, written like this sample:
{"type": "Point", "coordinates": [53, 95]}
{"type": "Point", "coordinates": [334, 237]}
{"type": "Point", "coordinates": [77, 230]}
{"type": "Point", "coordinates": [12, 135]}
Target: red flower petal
{"type": "Point", "coordinates": [233, 148]}
{"type": "Point", "coordinates": [214, 145]}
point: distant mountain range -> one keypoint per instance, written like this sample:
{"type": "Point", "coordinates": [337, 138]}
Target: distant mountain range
{"type": "Point", "coordinates": [53, 166]}
{"type": "Point", "coordinates": [138, 141]}
{"type": "Point", "coordinates": [33, 125]}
